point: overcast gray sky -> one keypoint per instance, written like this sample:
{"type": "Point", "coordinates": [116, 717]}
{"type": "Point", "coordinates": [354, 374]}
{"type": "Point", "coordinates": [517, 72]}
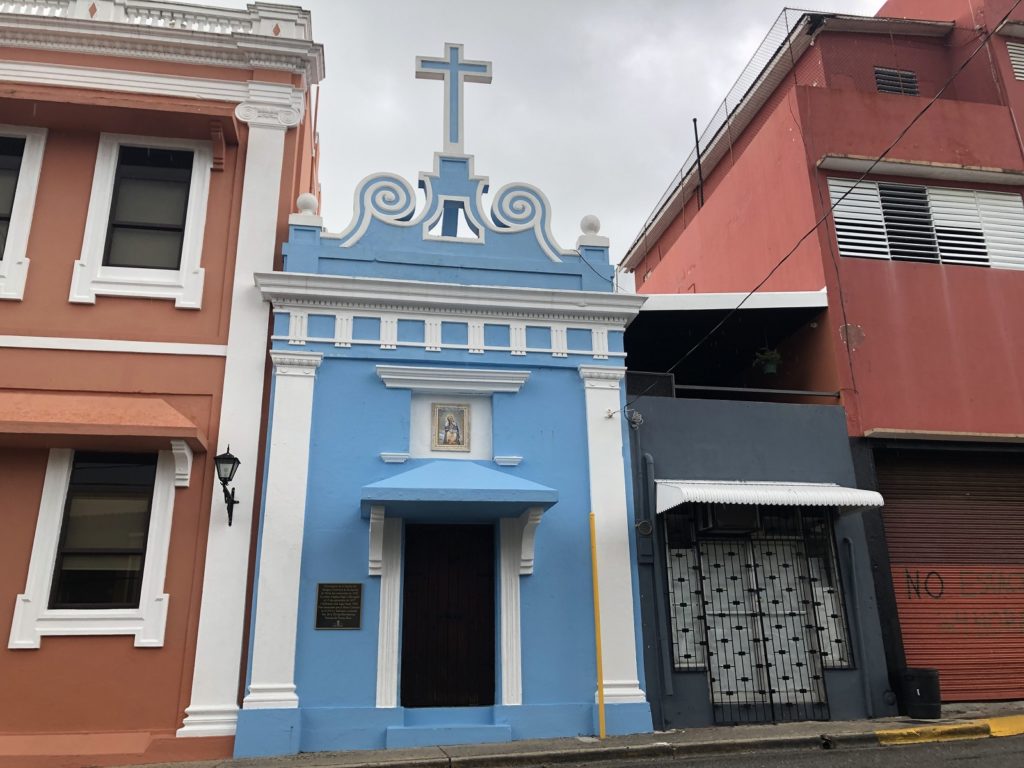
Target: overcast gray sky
{"type": "Point", "coordinates": [591, 101]}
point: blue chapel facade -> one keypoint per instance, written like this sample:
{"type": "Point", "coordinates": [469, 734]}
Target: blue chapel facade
{"type": "Point", "coordinates": [445, 420]}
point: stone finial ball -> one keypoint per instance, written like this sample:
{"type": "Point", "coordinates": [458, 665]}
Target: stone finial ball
{"type": "Point", "coordinates": [307, 204]}
{"type": "Point", "coordinates": [590, 224]}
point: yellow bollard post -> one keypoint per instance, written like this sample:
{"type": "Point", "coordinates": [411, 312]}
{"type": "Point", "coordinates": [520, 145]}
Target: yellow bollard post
{"type": "Point", "coordinates": [597, 628]}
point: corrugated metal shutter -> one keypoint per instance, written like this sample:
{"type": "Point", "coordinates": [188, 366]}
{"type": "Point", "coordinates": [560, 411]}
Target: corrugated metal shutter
{"type": "Point", "coordinates": [955, 529]}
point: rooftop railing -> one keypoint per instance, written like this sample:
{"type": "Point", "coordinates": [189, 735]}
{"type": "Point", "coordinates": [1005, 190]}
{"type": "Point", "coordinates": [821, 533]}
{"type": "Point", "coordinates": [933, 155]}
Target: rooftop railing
{"type": "Point", "coordinates": [265, 19]}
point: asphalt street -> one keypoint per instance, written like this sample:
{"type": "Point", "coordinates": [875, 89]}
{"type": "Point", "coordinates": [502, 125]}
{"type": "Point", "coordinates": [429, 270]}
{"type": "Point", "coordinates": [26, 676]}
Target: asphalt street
{"type": "Point", "coordinates": [980, 753]}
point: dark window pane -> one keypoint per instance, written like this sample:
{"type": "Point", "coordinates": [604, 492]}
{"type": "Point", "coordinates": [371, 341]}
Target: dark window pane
{"type": "Point", "coordinates": [152, 157]}
{"type": "Point", "coordinates": [106, 522]}
{"type": "Point", "coordinates": [4, 226]}
{"type": "Point", "coordinates": [149, 201]}
{"type": "Point", "coordinates": [103, 539]}
{"type": "Point", "coordinates": [8, 183]}
{"type": "Point", "coordinates": [99, 580]}
{"type": "Point", "coordinates": [152, 248]}
{"type": "Point", "coordinates": [147, 215]}
{"type": "Point", "coordinates": [11, 150]}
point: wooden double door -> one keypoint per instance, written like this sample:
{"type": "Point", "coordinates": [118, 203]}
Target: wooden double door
{"type": "Point", "coordinates": [448, 606]}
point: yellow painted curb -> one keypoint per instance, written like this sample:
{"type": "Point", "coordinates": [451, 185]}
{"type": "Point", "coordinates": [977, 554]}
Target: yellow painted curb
{"type": "Point", "coordinates": [1012, 725]}
{"type": "Point", "coordinates": [974, 729]}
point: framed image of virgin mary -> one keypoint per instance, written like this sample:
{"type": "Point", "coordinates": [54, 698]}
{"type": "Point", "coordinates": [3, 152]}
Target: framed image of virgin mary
{"type": "Point", "coordinates": [450, 423]}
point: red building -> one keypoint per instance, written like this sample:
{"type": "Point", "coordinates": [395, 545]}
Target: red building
{"type": "Point", "coordinates": [150, 154]}
{"type": "Point", "coordinates": [921, 256]}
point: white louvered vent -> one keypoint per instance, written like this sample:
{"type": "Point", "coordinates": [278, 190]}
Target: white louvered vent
{"type": "Point", "coordinates": [858, 219]}
{"type": "Point", "coordinates": [1016, 51]}
{"type": "Point", "coordinates": [908, 222]}
{"type": "Point", "coordinates": [896, 81]}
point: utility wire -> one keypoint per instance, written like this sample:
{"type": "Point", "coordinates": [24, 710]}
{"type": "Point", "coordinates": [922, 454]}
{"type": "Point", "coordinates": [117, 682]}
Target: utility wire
{"type": "Point", "coordinates": [824, 216]}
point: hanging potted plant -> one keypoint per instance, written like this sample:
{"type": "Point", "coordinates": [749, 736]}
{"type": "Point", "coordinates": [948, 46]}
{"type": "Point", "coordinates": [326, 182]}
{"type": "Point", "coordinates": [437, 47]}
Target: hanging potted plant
{"type": "Point", "coordinates": [768, 360]}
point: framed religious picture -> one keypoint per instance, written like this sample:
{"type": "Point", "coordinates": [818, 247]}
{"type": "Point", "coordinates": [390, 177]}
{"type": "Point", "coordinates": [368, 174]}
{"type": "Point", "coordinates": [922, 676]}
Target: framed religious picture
{"type": "Point", "coordinates": [450, 427]}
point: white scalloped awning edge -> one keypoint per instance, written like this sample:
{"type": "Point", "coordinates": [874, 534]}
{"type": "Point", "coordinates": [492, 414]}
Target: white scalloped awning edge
{"type": "Point", "coordinates": [672, 493]}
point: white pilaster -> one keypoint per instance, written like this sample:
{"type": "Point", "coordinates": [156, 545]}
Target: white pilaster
{"type": "Point", "coordinates": [511, 532]}
{"type": "Point", "coordinates": [518, 535]}
{"type": "Point", "coordinates": [213, 710]}
{"type": "Point", "coordinates": [272, 684]}
{"type": "Point", "coordinates": [390, 612]}
{"type": "Point", "coordinates": [608, 503]}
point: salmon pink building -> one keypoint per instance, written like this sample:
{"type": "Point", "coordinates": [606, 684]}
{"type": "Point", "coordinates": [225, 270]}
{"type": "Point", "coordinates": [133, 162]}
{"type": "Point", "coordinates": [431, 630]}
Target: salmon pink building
{"type": "Point", "coordinates": [149, 156]}
{"type": "Point", "coordinates": [856, 222]}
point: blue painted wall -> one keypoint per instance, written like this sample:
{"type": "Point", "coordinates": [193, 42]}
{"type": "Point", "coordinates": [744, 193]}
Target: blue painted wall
{"type": "Point", "coordinates": [356, 418]}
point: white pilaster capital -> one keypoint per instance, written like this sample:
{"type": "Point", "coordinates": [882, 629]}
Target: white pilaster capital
{"type": "Point", "coordinates": [295, 363]}
{"type": "Point", "coordinates": [261, 115]}
{"type": "Point", "coordinates": [601, 376]}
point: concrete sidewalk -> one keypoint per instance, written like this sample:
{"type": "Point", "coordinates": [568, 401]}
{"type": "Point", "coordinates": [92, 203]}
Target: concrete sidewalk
{"type": "Point", "coordinates": [960, 721]}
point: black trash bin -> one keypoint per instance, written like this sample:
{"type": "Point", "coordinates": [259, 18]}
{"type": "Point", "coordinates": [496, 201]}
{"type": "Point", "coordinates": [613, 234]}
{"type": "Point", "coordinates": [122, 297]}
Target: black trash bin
{"type": "Point", "coordinates": [920, 693]}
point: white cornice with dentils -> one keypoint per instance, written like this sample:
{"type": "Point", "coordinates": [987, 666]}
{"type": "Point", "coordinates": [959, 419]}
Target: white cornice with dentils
{"type": "Point", "coordinates": [296, 290]}
{"type": "Point", "coordinates": [181, 46]}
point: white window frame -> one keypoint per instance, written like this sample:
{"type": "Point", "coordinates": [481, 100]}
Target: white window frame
{"type": "Point", "coordinates": [14, 265]}
{"type": "Point", "coordinates": [33, 618]}
{"type": "Point", "coordinates": [91, 278]}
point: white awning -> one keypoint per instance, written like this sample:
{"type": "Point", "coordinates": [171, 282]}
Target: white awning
{"type": "Point", "coordinates": [672, 493]}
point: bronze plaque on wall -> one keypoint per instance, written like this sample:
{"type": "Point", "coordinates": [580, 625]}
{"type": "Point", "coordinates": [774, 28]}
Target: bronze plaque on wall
{"type": "Point", "coordinates": [339, 606]}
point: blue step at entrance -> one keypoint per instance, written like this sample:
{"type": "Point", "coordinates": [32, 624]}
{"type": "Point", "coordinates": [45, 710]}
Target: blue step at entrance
{"type": "Point", "coordinates": [400, 736]}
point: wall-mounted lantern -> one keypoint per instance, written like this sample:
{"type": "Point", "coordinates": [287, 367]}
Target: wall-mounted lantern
{"type": "Point", "coordinates": [227, 465]}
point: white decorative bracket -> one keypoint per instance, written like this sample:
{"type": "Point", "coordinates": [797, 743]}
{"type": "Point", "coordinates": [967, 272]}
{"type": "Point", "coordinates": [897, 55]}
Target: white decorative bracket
{"type": "Point", "coordinates": [394, 458]}
{"type": "Point", "coordinates": [508, 461]}
{"type": "Point", "coordinates": [182, 463]}
{"type": "Point", "coordinates": [530, 519]}
{"type": "Point", "coordinates": [376, 540]}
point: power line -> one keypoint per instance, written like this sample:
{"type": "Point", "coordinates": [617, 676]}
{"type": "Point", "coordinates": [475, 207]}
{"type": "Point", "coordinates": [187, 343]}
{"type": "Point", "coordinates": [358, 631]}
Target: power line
{"type": "Point", "coordinates": [832, 207]}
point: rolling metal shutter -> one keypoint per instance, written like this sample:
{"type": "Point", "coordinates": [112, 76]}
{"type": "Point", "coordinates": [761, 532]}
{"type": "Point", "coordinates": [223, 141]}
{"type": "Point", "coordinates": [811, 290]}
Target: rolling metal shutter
{"type": "Point", "coordinates": [955, 529]}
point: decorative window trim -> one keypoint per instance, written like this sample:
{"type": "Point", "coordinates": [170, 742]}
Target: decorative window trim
{"type": "Point", "coordinates": [470, 381]}
{"type": "Point", "coordinates": [184, 285]}
{"type": "Point", "coordinates": [516, 559]}
{"type": "Point", "coordinates": [33, 619]}
{"type": "Point", "coordinates": [14, 265]}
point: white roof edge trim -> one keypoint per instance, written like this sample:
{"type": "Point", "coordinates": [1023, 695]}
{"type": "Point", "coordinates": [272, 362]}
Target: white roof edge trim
{"type": "Point", "coordinates": [668, 302]}
{"type": "Point", "coordinates": [672, 493]}
{"type": "Point", "coordinates": [922, 170]}
{"type": "Point", "coordinates": [742, 115]}
{"type": "Point", "coordinates": [286, 289]}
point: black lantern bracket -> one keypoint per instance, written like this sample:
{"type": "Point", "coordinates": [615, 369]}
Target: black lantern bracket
{"type": "Point", "coordinates": [227, 464]}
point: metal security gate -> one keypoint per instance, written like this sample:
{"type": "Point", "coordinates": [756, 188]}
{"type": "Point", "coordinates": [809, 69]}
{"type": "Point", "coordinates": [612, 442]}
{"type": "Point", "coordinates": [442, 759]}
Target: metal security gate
{"type": "Point", "coordinates": [760, 611]}
{"type": "Point", "coordinates": [954, 523]}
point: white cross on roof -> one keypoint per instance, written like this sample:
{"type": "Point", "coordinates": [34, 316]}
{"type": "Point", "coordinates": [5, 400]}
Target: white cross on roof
{"type": "Point", "coordinates": [454, 70]}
